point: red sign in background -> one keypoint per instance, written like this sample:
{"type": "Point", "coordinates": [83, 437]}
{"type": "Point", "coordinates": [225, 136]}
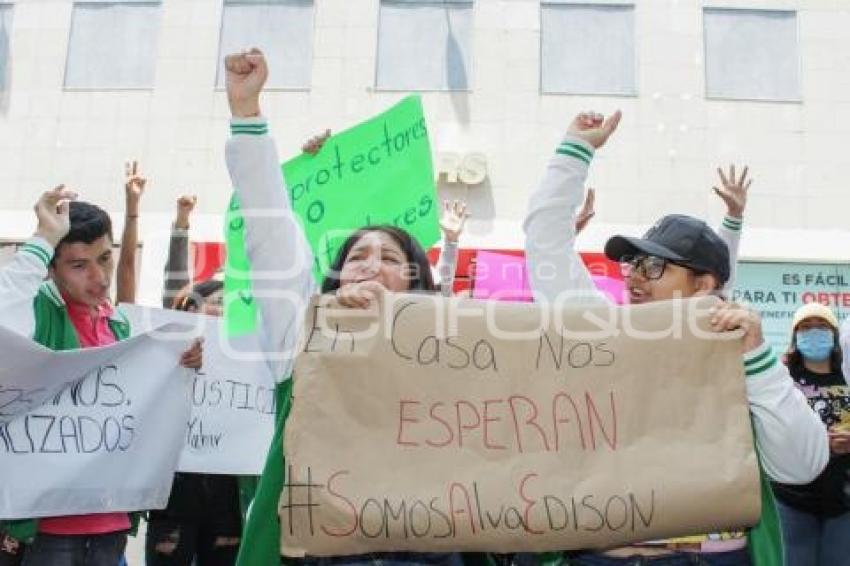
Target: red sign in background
{"type": "Point", "coordinates": [209, 257]}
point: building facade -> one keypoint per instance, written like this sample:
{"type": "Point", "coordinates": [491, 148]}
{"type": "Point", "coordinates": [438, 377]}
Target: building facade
{"type": "Point", "coordinates": [88, 85]}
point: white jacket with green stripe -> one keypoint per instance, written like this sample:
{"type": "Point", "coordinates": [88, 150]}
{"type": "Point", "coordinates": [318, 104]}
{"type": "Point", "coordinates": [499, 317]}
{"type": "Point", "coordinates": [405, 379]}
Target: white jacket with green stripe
{"type": "Point", "coordinates": [791, 439]}
{"type": "Point", "coordinates": [281, 259]}
{"type": "Point", "coordinates": [20, 280]}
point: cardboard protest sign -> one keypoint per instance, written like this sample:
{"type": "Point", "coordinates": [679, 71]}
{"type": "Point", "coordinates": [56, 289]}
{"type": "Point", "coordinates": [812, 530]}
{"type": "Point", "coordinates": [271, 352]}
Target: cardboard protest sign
{"type": "Point", "coordinates": [456, 425]}
{"type": "Point", "coordinates": [232, 397]}
{"type": "Point", "coordinates": [378, 172]}
{"type": "Point", "coordinates": [92, 430]}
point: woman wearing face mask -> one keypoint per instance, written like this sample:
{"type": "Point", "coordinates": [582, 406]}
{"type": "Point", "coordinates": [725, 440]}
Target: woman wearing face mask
{"type": "Point", "coordinates": [816, 516]}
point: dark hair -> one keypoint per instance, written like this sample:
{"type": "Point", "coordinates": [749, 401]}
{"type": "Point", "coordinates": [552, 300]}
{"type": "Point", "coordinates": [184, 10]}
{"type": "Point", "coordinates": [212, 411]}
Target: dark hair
{"type": "Point", "coordinates": [88, 223]}
{"type": "Point", "coordinates": [413, 252]}
{"type": "Point", "coordinates": [195, 297]}
{"type": "Point", "coordinates": [795, 362]}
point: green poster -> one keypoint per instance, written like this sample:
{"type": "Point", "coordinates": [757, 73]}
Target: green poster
{"type": "Point", "coordinates": [240, 311]}
{"type": "Point", "coordinates": [378, 172]}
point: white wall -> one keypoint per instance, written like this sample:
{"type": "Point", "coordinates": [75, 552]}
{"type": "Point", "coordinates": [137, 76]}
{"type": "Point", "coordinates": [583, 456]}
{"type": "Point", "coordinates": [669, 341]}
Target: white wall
{"type": "Point", "coordinates": [661, 161]}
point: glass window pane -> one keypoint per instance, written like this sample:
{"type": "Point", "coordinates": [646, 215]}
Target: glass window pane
{"type": "Point", "coordinates": [113, 45]}
{"type": "Point", "coordinates": [587, 49]}
{"type": "Point", "coordinates": [424, 45]}
{"type": "Point", "coordinates": [283, 29]}
{"type": "Point", "coordinates": [6, 12]}
{"type": "Point", "coordinates": [751, 54]}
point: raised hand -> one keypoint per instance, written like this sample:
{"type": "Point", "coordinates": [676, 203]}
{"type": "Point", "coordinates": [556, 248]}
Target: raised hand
{"type": "Point", "coordinates": [594, 128]}
{"type": "Point", "coordinates": [52, 210]}
{"type": "Point", "coordinates": [587, 211]}
{"type": "Point", "coordinates": [246, 73]}
{"type": "Point", "coordinates": [185, 206]}
{"type": "Point", "coordinates": [134, 187]}
{"type": "Point", "coordinates": [734, 191]}
{"type": "Point", "coordinates": [453, 219]}
{"type": "Point", "coordinates": [314, 144]}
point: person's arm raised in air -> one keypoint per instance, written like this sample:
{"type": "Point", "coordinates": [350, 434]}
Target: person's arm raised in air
{"type": "Point", "coordinates": [134, 188]}
{"type": "Point", "coordinates": [176, 274]}
{"type": "Point", "coordinates": [733, 192]}
{"type": "Point", "coordinates": [22, 276]}
{"type": "Point", "coordinates": [451, 223]}
{"type": "Point", "coordinates": [281, 259]}
{"type": "Point", "coordinates": [554, 266]}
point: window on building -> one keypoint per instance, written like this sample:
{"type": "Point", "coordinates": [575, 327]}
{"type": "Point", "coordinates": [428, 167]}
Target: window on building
{"type": "Point", "coordinates": [751, 54]}
{"type": "Point", "coordinates": [5, 43]}
{"type": "Point", "coordinates": [424, 45]}
{"type": "Point", "coordinates": [113, 45]}
{"type": "Point", "coordinates": [587, 48]}
{"type": "Point", "coordinates": [283, 29]}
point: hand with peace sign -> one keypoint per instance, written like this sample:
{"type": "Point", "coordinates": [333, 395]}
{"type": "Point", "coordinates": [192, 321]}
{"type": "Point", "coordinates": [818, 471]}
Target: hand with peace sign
{"type": "Point", "coordinates": [134, 187]}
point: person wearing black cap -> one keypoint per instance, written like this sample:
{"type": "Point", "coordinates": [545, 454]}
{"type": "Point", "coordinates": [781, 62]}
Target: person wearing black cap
{"type": "Point", "coordinates": [679, 256]}
{"type": "Point", "coordinates": [693, 256]}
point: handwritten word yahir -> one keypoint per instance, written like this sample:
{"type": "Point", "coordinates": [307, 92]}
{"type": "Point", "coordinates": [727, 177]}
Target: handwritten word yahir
{"type": "Point", "coordinates": [201, 438]}
{"type": "Point", "coordinates": [459, 510]}
{"type": "Point", "coordinates": [516, 423]}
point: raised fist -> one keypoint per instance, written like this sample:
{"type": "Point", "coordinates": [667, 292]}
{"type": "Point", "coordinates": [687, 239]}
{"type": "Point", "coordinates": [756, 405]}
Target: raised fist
{"type": "Point", "coordinates": [246, 74]}
{"type": "Point", "coordinates": [594, 128]}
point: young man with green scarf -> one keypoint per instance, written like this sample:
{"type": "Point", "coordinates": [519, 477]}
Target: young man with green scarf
{"type": "Point", "coordinates": [71, 309]}
{"type": "Point", "coordinates": [678, 257]}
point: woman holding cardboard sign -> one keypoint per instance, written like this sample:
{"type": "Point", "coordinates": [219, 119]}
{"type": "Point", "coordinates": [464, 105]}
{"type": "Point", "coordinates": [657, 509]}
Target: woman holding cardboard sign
{"type": "Point", "coordinates": [371, 261]}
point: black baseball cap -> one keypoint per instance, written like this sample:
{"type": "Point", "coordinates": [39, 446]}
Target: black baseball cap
{"type": "Point", "coordinates": [684, 240]}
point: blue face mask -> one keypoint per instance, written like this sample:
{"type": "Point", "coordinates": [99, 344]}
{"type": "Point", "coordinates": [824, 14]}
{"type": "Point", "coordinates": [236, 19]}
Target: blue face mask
{"type": "Point", "coordinates": [815, 344]}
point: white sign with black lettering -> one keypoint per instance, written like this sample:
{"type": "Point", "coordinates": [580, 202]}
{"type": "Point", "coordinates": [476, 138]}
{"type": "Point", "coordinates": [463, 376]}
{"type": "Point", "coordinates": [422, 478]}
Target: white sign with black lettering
{"type": "Point", "coordinates": [92, 430]}
{"type": "Point", "coordinates": [232, 397]}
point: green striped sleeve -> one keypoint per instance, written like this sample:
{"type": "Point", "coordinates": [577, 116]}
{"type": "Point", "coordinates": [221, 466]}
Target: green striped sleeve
{"type": "Point", "coordinates": [759, 361]}
{"type": "Point", "coordinates": [733, 224]}
{"type": "Point", "coordinates": [576, 150]}
{"type": "Point", "coordinates": [33, 248]}
{"type": "Point", "coordinates": [249, 127]}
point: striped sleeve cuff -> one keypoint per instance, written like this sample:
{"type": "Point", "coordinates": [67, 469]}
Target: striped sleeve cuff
{"type": "Point", "coordinates": [249, 126]}
{"type": "Point", "coordinates": [39, 248]}
{"type": "Point", "coordinates": [759, 361]}
{"type": "Point", "coordinates": [577, 148]}
{"type": "Point", "coordinates": [731, 223]}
